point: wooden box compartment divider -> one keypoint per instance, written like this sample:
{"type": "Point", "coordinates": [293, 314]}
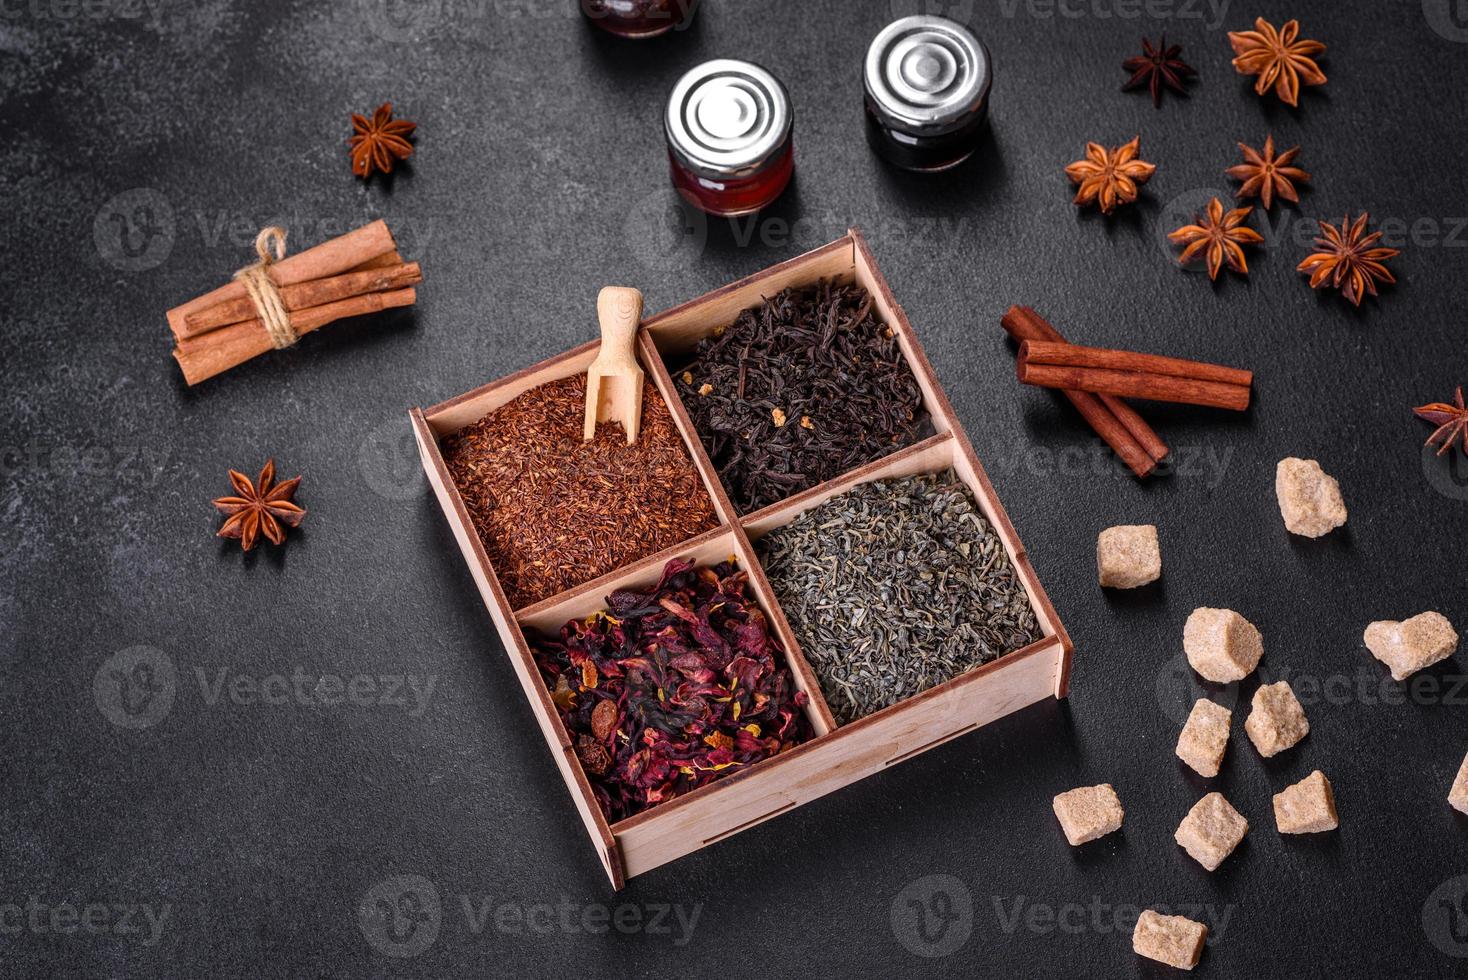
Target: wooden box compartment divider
{"type": "Point", "coordinates": [837, 755]}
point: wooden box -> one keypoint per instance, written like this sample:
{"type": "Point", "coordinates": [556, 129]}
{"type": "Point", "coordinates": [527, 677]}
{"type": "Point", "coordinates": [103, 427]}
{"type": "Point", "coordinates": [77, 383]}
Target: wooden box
{"type": "Point", "coordinates": [836, 755]}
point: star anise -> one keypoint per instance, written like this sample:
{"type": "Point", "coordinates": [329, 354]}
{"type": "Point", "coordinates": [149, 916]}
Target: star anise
{"type": "Point", "coordinates": [1347, 259]}
{"type": "Point", "coordinates": [378, 141]}
{"type": "Point", "coordinates": [1278, 57]}
{"type": "Point", "coordinates": [1451, 420]}
{"type": "Point", "coordinates": [1156, 67]}
{"type": "Point", "coordinates": [1265, 175]}
{"type": "Point", "coordinates": [260, 507]}
{"type": "Point", "coordinates": [1221, 236]}
{"type": "Point", "coordinates": [1110, 177]}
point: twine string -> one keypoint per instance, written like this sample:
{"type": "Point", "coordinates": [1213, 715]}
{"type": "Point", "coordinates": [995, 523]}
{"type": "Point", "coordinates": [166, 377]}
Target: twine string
{"type": "Point", "coordinates": [263, 291]}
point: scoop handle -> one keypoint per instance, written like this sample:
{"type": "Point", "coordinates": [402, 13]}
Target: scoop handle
{"type": "Point", "coordinates": [619, 309]}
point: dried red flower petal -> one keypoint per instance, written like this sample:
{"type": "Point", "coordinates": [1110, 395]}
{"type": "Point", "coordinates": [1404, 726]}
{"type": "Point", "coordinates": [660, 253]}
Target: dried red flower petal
{"type": "Point", "coordinates": [690, 685]}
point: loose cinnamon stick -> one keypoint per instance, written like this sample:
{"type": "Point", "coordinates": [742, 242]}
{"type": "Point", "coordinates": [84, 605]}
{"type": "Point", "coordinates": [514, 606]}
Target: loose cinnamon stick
{"type": "Point", "coordinates": [1074, 355]}
{"type": "Point", "coordinates": [301, 296]}
{"type": "Point", "coordinates": [1133, 384]}
{"type": "Point", "coordinates": [1023, 323]}
{"type": "Point", "coordinates": [1118, 425]}
{"type": "Point", "coordinates": [219, 350]}
{"type": "Point", "coordinates": [330, 258]}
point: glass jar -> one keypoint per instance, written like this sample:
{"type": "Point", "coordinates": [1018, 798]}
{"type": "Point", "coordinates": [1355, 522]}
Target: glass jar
{"type": "Point", "coordinates": [729, 127]}
{"type": "Point", "coordinates": [640, 18]}
{"type": "Point", "coordinates": [927, 93]}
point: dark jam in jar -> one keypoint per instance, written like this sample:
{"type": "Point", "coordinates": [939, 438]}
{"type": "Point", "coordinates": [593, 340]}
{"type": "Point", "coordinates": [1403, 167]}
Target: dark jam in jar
{"type": "Point", "coordinates": [927, 93]}
{"type": "Point", "coordinates": [729, 127]}
{"type": "Point", "coordinates": [640, 18]}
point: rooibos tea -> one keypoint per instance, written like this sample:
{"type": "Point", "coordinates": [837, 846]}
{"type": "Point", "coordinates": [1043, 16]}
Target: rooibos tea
{"type": "Point", "coordinates": [667, 690]}
{"type": "Point", "coordinates": [554, 511]}
{"type": "Point", "coordinates": [894, 587]}
{"type": "Point", "coordinates": [800, 390]}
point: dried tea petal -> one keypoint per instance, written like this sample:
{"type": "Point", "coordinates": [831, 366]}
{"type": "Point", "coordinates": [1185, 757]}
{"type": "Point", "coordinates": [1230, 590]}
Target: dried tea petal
{"type": "Point", "coordinates": [563, 697]}
{"type": "Point", "coordinates": [692, 686]}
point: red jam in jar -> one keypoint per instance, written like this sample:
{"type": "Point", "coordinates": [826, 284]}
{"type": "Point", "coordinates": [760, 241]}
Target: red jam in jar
{"type": "Point", "coordinates": [729, 127]}
{"type": "Point", "coordinates": [640, 18]}
{"type": "Point", "coordinates": [927, 93]}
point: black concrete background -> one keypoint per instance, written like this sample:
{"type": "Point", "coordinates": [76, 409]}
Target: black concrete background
{"type": "Point", "coordinates": [252, 832]}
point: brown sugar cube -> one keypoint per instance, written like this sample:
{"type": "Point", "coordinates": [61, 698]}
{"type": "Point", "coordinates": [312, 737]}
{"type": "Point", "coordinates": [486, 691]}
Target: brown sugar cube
{"type": "Point", "coordinates": [1205, 737]}
{"type": "Point", "coordinates": [1308, 807]}
{"type": "Point", "coordinates": [1088, 812]}
{"type": "Point", "coordinates": [1309, 498]}
{"type": "Point", "coordinates": [1221, 645]}
{"type": "Point", "coordinates": [1170, 939]}
{"type": "Point", "coordinates": [1211, 830]}
{"type": "Point", "coordinates": [1458, 795]}
{"type": "Point", "coordinates": [1128, 557]}
{"type": "Point", "coordinates": [1407, 647]}
{"type": "Point", "coordinates": [1276, 721]}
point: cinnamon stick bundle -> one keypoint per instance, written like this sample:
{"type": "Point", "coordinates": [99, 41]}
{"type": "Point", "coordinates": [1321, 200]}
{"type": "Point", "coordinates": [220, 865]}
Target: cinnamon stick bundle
{"type": "Point", "coordinates": [304, 295]}
{"type": "Point", "coordinates": [1117, 423]}
{"type": "Point", "coordinates": [357, 273]}
{"type": "Point", "coordinates": [1132, 375]}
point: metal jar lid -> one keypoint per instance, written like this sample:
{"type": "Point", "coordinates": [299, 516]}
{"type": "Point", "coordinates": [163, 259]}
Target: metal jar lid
{"type": "Point", "coordinates": [728, 119]}
{"type": "Point", "coordinates": [927, 76]}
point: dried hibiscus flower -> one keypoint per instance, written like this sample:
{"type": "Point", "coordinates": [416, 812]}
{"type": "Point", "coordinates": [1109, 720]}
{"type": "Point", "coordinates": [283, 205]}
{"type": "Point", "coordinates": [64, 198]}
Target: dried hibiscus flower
{"type": "Point", "coordinates": [668, 690]}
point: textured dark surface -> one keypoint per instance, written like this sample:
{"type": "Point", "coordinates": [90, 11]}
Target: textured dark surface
{"type": "Point", "coordinates": [258, 829]}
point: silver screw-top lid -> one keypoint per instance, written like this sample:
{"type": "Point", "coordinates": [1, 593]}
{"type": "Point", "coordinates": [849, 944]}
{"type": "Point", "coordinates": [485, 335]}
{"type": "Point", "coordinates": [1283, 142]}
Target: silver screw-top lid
{"type": "Point", "coordinates": [728, 119]}
{"type": "Point", "coordinates": [927, 75]}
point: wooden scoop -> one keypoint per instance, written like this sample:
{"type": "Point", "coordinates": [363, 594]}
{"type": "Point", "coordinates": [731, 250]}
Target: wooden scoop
{"type": "Point", "coordinates": [614, 381]}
